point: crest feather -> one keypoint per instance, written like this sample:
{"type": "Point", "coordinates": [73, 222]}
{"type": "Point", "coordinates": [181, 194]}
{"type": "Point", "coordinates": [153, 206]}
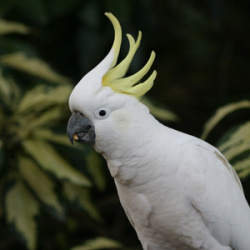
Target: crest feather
{"type": "Point", "coordinates": [118, 37]}
{"type": "Point", "coordinates": [114, 77]}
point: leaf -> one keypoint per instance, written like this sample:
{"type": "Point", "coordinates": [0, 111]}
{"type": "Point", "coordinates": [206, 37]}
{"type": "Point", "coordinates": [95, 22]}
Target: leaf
{"type": "Point", "coordinates": [21, 210]}
{"type": "Point", "coordinates": [236, 148]}
{"type": "Point", "coordinates": [159, 112]}
{"type": "Point", "coordinates": [99, 243]}
{"type": "Point", "coordinates": [9, 91]}
{"type": "Point", "coordinates": [30, 122]}
{"type": "Point", "coordinates": [95, 168]}
{"type": "Point", "coordinates": [243, 167]}
{"type": "Point", "coordinates": [47, 157]}
{"type": "Point", "coordinates": [80, 197]}
{"type": "Point", "coordinates": [33, 66]}
{"type": "Point", "coordinates": [4, 87]}
{"type": "Point", "coordinates": [1, 154]}
{"type": "Point", "coordinates": [2, 193]}
{"type": "Point", "coordinates": [237, 142]}
{"type": "Point", "coordinates": [41, 97]}
{"type": "Point", "coordinates": [7, 27]}
{"type": "Point", "coordinates": [46, 134]}
{"type": "Point", "coordinates": [40, 183]}
{"type": "Point", "coordinates": [221, 113]}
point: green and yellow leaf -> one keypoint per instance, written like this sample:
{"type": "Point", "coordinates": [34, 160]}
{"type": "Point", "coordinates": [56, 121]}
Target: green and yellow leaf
{"type": "Point", "coordinates": [46, 134]}
{"type": "Point", "coordinates": [4, 87]}
{"type": "Point", "coordinates": [99, 243]}
{"type": "Point", "coordinates": [41, 97]}
{"type": "Point", "coordinates": [21, 210]}
{"type": "Point", "coordinates": [95, 168]}
{"type": "Point", "coordinates": [80, 196]}
{"type": "Point", "coordinates": [2, 184]}
{"type": "Point", "coordinates": [33, 66]}
{"type": "Point", "coordinates": [237, 142]}
{"type": "Point", "coordinates": [40, 183]}
{"type": "Point", "coordinates": [221, 113]}
{"type": "Point", "coordinates": [7, 27]}
{"type": "Point", "coordinates": [9, 91]}
{"type": "Point", "coordinates": [47, 157]}
{"type": "Point", "coordinates": [32, 121]}
{"type": "Point", "coordinates": [243, 167]}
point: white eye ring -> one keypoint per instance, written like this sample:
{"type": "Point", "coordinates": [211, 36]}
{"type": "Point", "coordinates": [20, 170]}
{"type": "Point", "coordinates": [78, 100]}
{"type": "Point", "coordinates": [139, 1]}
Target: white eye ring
{"type": "Point", "coordinates": [102, 113]}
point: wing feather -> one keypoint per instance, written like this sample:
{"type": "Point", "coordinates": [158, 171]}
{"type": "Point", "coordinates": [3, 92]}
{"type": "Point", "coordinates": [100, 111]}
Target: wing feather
{"type": "Point", "coordinates": [217, 195]}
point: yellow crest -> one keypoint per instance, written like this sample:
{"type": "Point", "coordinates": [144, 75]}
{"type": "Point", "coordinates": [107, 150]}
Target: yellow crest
{"type": "Point", "coordinates": [115, 79]}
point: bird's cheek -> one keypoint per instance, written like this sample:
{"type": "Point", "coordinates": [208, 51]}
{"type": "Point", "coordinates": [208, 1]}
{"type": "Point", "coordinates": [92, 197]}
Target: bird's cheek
{"type": "Point", "coordinates": [122, 120]}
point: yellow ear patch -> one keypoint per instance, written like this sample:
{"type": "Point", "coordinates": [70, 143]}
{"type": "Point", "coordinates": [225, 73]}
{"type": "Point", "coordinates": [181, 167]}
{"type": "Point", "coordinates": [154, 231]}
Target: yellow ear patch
{"type": "Point", "coordinates": [114, 77]}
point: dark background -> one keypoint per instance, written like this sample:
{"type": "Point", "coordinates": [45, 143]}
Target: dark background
{"type": "Point", "coordinates": [202, 47]}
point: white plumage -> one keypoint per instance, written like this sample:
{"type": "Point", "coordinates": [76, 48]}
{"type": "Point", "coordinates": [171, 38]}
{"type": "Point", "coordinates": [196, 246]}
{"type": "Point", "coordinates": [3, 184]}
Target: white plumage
{"type": "Point", "coordinates": [178, 191]}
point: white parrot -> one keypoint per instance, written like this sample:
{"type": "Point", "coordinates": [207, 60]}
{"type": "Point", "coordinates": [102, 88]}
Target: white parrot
{"type": "Point", "coordinates": [178, 191]}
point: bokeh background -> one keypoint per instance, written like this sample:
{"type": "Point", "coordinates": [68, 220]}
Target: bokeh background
{"type": "Point", "coordinates": [203, 63]}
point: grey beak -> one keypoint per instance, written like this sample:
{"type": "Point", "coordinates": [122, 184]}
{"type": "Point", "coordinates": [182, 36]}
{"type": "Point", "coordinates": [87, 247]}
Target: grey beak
{"type": "Point", "coordinates": [80, 128]}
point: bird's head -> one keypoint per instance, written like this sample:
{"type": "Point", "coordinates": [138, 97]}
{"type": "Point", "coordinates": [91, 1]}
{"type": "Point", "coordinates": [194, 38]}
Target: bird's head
{"type": "Point", "coordinates": [105, 102]}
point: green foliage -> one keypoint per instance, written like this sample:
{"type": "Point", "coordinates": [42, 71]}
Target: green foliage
{"type": "Point", "coordinates": [222, 113]}
{"type": "Point", "coordinates": [32, 169]}
{"type": "Point", "coordinates": [99, 243]}
{"type": "Point", "coordinates": [32, 66]}
{"type": "Point", "coordinates": [21, 210]}
{"type": "Point", "coordinates": [234, 144]}
{"type": "Point", "coordinates": [236, 148]}
{"type": "Point", "coordinates": [7, 27]}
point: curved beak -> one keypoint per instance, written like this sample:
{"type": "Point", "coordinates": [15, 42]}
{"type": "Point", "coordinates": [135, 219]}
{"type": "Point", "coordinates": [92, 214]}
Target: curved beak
{"type": "Point", "coordinates": [80, 129]}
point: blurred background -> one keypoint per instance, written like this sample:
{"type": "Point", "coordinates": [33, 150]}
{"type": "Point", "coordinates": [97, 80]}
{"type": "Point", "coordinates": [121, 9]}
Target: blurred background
{"type": "Point", "coordinates": [56, 196]}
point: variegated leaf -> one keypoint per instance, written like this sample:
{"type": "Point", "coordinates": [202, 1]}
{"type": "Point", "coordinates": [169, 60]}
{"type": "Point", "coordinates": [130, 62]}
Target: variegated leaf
{"type": "Point", "coordinates": [99, 243]}
{"type": "Point", "coordinates": [7, 27]}
{"type": "Point", "coordinates": [33, 66]}
{"type": "Point", "coordinates": [9, 91]}
{"type": "Point", "coordinates": [47, 157]}
{"type": "Point", "coordinates": [40, 183]}
{"type": "Point", "coordinates": [21, 210]}
{"type": "Point", "coordinates": [41, 97]}
{"type": "Point", "coordinates": [50, 117]}
{"type": "Point", "coordinates": [46, 134]}
{"type": "Point", "coordinates": [95, 168]}
{"type": "Point", "coordinates": [243, 167]}
{"type": "Point", "coordinates": [221, 113]}
{"type": "Point", "coordinates": [237, 142]}
{"type": "Point", "coordinates": [80, 196]}
{"type": "Point", "coordinates": [5, 89]}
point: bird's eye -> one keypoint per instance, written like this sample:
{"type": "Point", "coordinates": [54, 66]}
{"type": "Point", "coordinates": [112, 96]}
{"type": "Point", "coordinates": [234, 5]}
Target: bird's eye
{"type": "Point", "coordinates": [102, 113]}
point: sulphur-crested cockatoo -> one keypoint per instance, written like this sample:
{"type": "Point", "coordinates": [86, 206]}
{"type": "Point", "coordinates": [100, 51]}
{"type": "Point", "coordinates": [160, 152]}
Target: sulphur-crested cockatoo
{"type": "Point", "coordinates": [178, 191]}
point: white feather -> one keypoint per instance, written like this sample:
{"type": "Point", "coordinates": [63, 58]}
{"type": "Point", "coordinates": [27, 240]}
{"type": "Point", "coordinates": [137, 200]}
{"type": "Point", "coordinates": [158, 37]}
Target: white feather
{"type": "Point", "coordinates": [178, 191]}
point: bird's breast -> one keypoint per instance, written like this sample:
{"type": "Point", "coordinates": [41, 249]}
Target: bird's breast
{"type": "Point", "coordinates": [163, 220]}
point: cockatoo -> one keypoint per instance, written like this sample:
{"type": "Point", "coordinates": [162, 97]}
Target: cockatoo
{"type": "Point", "coordinates": [177, 191]}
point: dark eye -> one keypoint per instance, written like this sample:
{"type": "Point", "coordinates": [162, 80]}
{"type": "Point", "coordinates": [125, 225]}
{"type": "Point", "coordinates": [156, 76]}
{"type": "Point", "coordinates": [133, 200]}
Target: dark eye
{"type": "Point", "coordinates": [102, 112]}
